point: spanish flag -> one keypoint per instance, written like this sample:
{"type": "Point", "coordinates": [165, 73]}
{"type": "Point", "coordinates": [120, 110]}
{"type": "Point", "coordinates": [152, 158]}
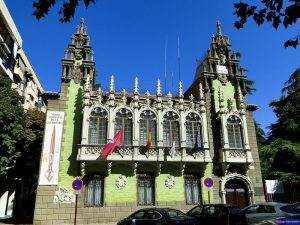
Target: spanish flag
{"type": "Point", "coordinates": [149, 139]}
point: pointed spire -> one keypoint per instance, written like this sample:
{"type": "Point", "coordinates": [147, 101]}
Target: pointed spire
{"type": "Point", "coordinates": [219, 29]}
{"type": "Point", "coordinates": [100, 95]}
{"type": "Point", "coordinates": [158, 88]}
{"type": "Point", "coordinates": [136, 86]}
{"type": "Point", "coordinates": [180, 89]}
{"type": "Point", "coordinates": [112, 84]}
{"type": "Point", "coordinates": [124, 97]}
{"type": "Point", "coordinates": [201, 92]}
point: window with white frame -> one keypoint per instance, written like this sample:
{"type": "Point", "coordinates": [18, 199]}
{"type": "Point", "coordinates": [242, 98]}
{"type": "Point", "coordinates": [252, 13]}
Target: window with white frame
{"type": "Point", "coordinates": [171, 128]}
{"type": "Point", "coordinates": [147, 124]}
{"type": "Point", "coordinates": [124, 120]}
{"type": "Point", "coordinates": [98, 126]}
{"type": "Point", "coordinates": [192, 190]}
{"type": "Point", "coordinates": [94, 192]}
{"type": "Point", "coordinates": [234, 131]}
{"type": "Point", "coordinates": [193, 130]}
{"type": "Point", "coordinates": [145, 189]}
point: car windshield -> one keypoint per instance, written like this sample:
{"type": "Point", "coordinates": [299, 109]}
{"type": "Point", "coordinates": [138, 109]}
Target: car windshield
{"type": "Point", "coordinates": [175, 213]}
{"type": "Point", "coordinates": [289, 209]}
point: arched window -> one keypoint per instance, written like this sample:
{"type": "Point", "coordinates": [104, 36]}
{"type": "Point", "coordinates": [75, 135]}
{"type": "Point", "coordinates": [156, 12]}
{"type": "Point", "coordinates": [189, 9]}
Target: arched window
{"type": "Point", "coordinates": [98, 126]}
{"type": "Point", "coordinates": [147, 124]}
{"type": "Point", "coordinates": [124, 120]}
{"type": "Point", "coordinates": [171, 128]}
{"type": "Point", "coordinates": [193, 130]}
{"type": "Point", "coordinates": [94, 192]}
{"type": "Point", "coordinates": [234, 130]}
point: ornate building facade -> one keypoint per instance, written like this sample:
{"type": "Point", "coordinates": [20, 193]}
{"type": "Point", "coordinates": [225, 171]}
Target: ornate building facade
{"type": "Point", "coordinates": [205, 132]}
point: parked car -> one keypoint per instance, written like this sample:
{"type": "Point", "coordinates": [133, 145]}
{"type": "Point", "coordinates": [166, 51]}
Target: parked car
{"type": "Point", "coordinates": [258, 213]}
{"type": "Point", "coordinates": [218, 214]}
{"type": "Point", "coordinates": [282, 220]}
{"type": "Point", "coordinates": [158, 216]}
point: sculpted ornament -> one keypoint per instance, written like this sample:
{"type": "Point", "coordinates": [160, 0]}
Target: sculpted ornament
{"type": "Point", "coordinates": [121, 182]}
{"type": "Point", "coordinates": [170, 182]}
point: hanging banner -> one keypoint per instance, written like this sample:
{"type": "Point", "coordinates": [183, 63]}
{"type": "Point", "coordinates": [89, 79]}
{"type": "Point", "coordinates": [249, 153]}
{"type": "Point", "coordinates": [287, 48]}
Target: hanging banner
{"type": "Point", "coordinates": [51, 148]}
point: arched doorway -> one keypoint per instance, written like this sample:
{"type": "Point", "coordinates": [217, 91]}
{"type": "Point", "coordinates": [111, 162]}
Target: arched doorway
{"type": "Point", "coordinates": [236, 193]}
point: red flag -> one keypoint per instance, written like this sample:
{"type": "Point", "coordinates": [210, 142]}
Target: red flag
{"type": "Point", "coordinates": [149, 139]}
{"type": "Point", "coordinates": [112, 144]}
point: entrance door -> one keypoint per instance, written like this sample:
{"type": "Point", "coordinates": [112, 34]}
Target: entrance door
{"type": "Point", "coordinates": [236, 193]}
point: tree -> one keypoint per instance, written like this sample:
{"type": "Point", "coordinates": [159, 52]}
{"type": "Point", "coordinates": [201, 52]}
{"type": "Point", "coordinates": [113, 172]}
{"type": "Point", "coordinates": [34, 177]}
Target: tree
{"type": "Point", "coordinates": [278, 12]}
{"type": "Point", "coordinates": [67, 9]}
{"type": "Point", "coordinates": [27, 166]}
{"type": "Point", "coordinates": [287, 110]}
{"type": "Point", "coordinates": [11, 126]}
{"type": "Point", "coordinates": [31, 145]}
{"type": "Point", "coordinates": [280, 154]}
{"type": "Point", "coordinates": [280, 160]}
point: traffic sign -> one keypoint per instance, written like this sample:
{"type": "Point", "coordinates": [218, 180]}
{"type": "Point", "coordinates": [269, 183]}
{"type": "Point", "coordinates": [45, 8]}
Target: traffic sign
{"type": "Point", "coordinates": [208, 182]}
{"type": "Point", "coordinates": [77, 184]}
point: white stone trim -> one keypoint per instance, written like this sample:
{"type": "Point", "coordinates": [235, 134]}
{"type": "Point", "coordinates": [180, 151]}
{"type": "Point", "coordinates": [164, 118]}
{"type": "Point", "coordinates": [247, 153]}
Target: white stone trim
{"type": "Point", "coordinates": [244, 179]}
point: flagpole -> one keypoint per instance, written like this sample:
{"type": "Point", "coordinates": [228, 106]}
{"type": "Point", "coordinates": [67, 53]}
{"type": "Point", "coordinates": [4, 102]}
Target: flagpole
{"type": "Point", "coordinates": [166, 44]}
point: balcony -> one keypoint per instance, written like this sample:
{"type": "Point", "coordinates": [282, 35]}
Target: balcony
{"type": "Point", "coordinates": [235, 156]}
{"type": "Point", "coordinates": [137, 153]}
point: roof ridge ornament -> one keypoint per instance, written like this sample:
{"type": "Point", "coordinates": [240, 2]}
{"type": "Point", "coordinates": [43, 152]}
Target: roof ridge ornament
{"type": "Point", "coordinates": [219, 28]}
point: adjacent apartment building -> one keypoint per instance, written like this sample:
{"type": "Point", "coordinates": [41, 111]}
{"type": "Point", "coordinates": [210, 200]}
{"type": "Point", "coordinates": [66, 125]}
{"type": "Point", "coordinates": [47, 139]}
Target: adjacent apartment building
{"type": "Point", "coordinates": [202, 149]}
{"type": "Point", "coordinates": [15, 65]}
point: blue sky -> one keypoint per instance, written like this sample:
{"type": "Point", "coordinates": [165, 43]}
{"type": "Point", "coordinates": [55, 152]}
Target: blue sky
{"type": "Point", "coordinates": [128, 38]}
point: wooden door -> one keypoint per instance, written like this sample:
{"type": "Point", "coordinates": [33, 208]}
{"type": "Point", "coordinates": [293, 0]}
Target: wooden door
{"type": "Point", "coordinates": [236, 193]}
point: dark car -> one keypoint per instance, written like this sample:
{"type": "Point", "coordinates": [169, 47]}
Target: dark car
{"type": "Point", "coordinates": [158, 216]}
{"type": "Point", "coordinates": [220, 214]}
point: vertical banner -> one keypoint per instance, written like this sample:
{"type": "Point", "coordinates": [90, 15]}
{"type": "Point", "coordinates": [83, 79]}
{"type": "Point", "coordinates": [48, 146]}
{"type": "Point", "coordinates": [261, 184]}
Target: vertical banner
{"type": "Point", "coordinates": [51, 148]}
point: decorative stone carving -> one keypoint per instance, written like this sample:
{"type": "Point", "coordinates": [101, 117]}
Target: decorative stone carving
{"type": "Point", "coordinates": [223, 78]}
{"type": "Point", "coordinates": [170, 182]}
{"type": "Point", "coordinates": [135, 165]}
{"type": "Point", "coordinates": [192, 104]}
{"type": "Point", "coordinates": [93, 150]}
{"type": "Point", "coordinates": [109, 165]}
{"type": "Point", "coordinates": [76, 74]}
{"type": "Point", "coordinates": [123, 151]}
{"type": "Point", "coordinates": [158, 169]}
{"type": "Point", "coordinates": [82, 168]}
{"type": "Point", "coordinates": [121, 182]}
{"type": "Point", "coordinates": [237, 153]}
{"type": "Point", "coordinates": [182, 169]}
{"type": "Point", "coordinates": [148, 101]}
{"type": "Point", "coordinates": [63, 195]}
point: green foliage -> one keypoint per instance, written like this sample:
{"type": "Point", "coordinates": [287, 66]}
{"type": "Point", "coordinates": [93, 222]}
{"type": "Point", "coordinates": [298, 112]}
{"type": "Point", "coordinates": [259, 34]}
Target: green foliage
{"type": "Point", "coordinates": [249, 86]}
{"type": "Point", "coordinates": [67, 9]}
{"type": "Point", "coordinates": [287, 110]}
{"type": "Point", "coordinates": [11, 127]}
{"type": "Point", "coordinates": [277, 12]}
{"type": "Point", "coordinates": [281, 160]}
{"type": "Point", "coordinates": [280, 154]}
{"type": "Point", "coordinates": [31, 145]}
{"type": "Point", "coordinates": [260, 134]}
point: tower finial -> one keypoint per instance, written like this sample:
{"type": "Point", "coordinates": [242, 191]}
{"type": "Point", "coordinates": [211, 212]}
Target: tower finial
{"type": "Point", "coordinates": [219, 27]}
{"type": "Point", "coordinates": [82, 21]}
{"type": "Point", "coordinates": [136, 86]}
